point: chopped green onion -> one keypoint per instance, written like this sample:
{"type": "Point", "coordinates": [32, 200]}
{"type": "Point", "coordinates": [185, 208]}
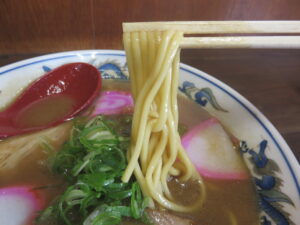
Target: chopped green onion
{"type": "Point", "coordinates": [93, 162]}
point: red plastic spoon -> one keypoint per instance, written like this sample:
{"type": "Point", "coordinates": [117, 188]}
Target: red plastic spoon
{"type": "Point", "coordinates": [55, 97]}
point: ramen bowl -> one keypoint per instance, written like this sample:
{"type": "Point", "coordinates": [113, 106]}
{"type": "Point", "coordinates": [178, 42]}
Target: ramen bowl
{"type": "Point", "coordinates": [274, 169]}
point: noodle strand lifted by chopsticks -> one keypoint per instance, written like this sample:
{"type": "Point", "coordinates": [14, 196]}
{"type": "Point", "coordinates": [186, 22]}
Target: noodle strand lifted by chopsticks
{"type": "Point", "coordinates": [156, 152]}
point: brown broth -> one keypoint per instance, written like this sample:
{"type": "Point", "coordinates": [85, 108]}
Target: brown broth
{"type": "Point", "coordinates": [223, 197]}
{"type": "Point", "coordinates": [34, 172]}
{"type": "Point", "coordinates": [45, 111]}
{"type": "Point", "coordinates": [31, 168]}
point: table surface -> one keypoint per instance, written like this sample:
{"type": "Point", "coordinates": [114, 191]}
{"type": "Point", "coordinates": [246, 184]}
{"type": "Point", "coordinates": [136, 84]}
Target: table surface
{"type": "Point", "coordinates": [270, 79]}
{"type": "Point", "coordinates": [33, 26]}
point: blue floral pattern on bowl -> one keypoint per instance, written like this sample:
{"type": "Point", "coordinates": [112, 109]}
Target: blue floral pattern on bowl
{"type": "Point", "coordinates": [268, 184]}
{"type": "Point", "coordinates": [201, 96]}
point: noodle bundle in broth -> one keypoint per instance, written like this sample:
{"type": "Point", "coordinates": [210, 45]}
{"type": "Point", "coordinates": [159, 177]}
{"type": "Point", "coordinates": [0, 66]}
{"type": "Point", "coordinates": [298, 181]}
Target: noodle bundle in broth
{"type": "Point", "coordinates": [156, 153]}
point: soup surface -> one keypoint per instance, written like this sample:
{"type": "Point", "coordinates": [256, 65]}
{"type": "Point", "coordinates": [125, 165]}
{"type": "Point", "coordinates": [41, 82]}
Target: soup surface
{"type": "Point", "coordinates": [227, 201]}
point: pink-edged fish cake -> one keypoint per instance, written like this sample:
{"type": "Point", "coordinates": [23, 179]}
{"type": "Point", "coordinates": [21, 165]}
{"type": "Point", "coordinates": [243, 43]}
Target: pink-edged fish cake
{"type": "Point", "coordinates": [213, 153]}
{"type": "Point", "coordinates": [113, 102]}
{"type": "Point", "coordinates": [19, 205]}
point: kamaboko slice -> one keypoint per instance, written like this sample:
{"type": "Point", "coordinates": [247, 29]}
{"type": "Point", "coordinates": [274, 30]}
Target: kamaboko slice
{"type": "Point", "coordinates": [213, 153]}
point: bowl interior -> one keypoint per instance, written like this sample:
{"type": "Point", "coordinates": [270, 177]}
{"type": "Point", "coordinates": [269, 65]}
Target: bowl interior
{"type": "Point", "coordinates": [271, 162]}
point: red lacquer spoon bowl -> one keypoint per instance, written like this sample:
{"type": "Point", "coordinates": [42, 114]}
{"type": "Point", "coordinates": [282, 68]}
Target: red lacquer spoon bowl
{"type": "Point", "coordinates": [55, 97]}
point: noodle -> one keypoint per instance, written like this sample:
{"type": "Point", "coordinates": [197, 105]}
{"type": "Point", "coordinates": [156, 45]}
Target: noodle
{"type": "Point", "coordinates": [156, 152]}
{"type": "Point", "coordinates": [15, 149]}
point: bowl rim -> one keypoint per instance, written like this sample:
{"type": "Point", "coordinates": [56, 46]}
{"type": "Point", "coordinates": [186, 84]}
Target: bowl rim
{"type": "Point", "coordinates": [285, 151]}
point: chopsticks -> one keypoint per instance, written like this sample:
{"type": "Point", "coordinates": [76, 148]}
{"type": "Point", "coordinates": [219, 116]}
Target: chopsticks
{"type": "Point", "coordinates": [215, 27]}
{"type": "Point", "coordinates": [281, 28]}
{"type": "Point", "coordinates": [242, 42]}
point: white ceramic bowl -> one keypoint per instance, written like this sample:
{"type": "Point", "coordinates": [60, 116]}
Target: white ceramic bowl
{"type": "Point", "coordinates": [275, 170]}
